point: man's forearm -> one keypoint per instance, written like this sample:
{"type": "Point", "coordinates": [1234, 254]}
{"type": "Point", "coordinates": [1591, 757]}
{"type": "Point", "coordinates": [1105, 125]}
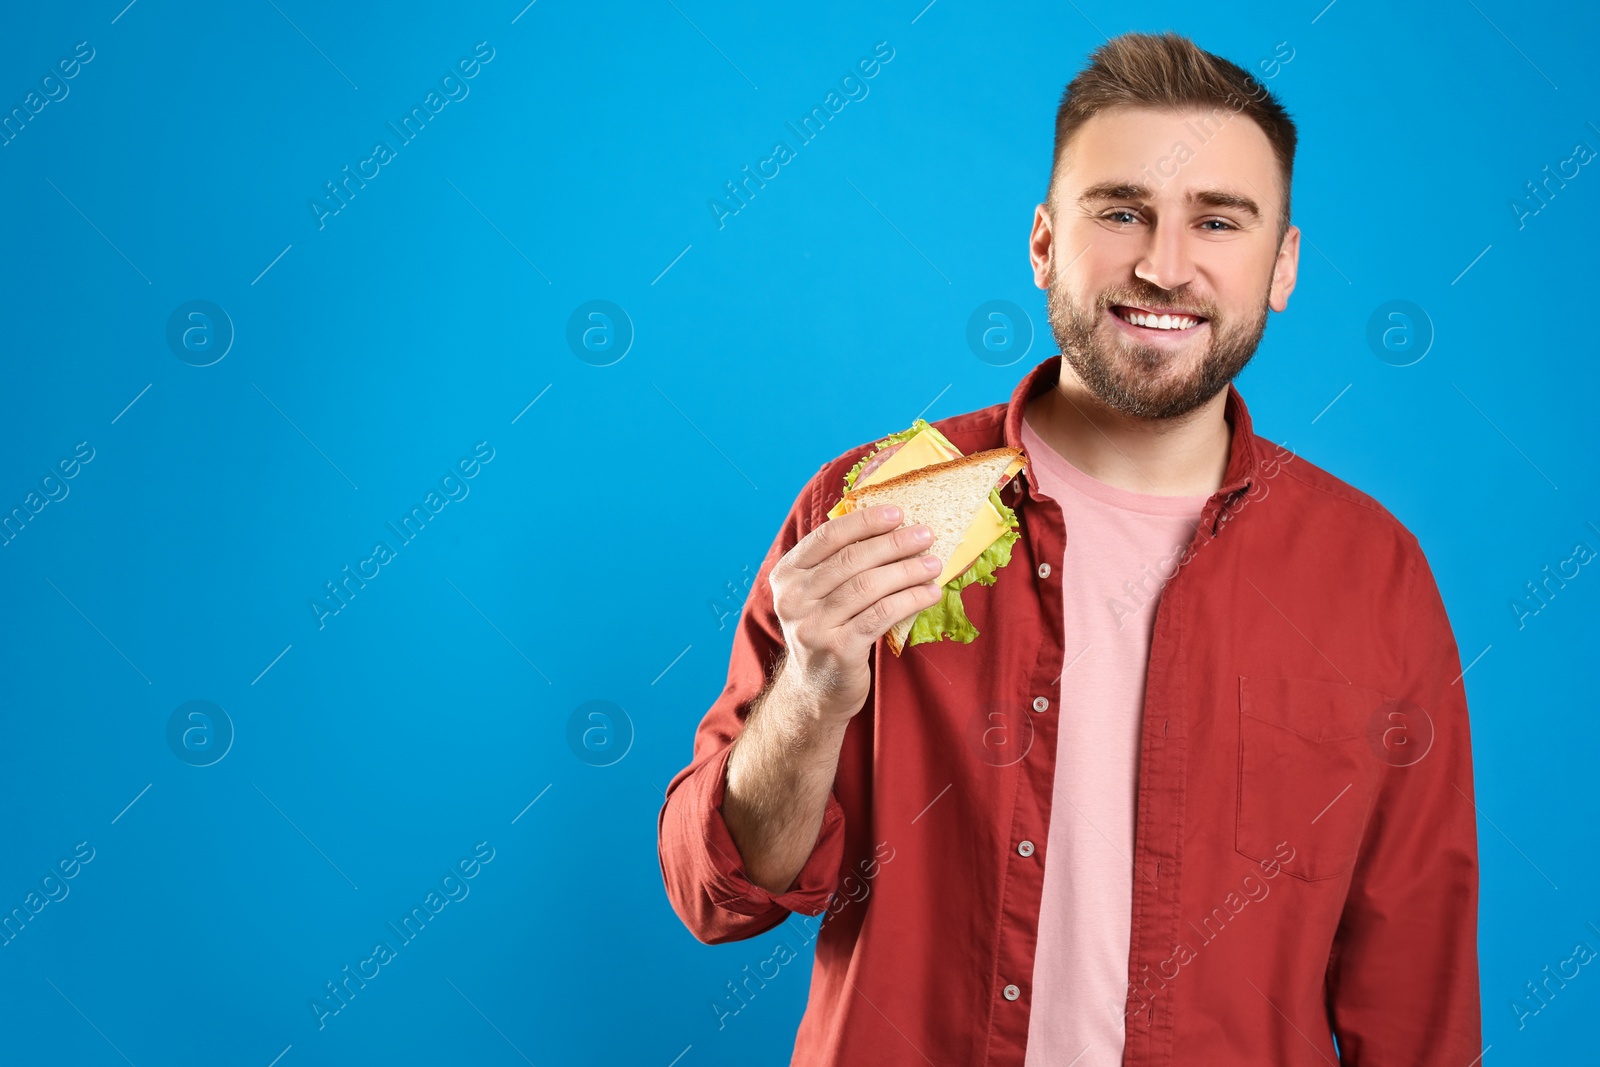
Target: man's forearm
{"type": "Point", "coordinates": [779, 774]}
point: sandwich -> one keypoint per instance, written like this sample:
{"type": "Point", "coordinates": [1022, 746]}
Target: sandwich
{"type": "Point", "coordinates": [955, 496]}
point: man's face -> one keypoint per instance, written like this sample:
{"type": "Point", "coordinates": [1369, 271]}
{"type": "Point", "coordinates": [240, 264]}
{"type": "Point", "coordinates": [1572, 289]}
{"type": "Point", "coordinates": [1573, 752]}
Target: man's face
{"type": "Point", "coordinates": [1153, 212]}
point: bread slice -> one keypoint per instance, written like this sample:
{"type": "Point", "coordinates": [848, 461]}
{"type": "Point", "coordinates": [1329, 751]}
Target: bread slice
{"type": "Point", "coordinates": [944, 497]}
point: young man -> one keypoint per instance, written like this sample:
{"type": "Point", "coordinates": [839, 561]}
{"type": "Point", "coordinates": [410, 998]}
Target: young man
{"type": "Point", "coordinates": [1201, 790]}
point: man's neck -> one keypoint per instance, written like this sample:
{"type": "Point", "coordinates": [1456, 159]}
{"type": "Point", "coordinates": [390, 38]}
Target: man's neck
{"type": "Point", "coordinates": [1185, 456]}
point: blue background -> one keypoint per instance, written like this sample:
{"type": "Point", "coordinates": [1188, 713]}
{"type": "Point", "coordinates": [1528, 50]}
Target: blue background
{"type": "Point", "coordinates": [593, 557]}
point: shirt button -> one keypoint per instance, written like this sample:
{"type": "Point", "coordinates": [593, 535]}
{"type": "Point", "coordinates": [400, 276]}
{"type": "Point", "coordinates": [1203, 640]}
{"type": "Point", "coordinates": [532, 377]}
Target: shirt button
{"type": "Point", "coordinates": [1025, 848]}
{"type": "Point", "coordinates": [1044, 570]}
{"type": "Point", "coordinates": [1041, 703]}
{"type": "Point", "coordinates": [1011, 992]}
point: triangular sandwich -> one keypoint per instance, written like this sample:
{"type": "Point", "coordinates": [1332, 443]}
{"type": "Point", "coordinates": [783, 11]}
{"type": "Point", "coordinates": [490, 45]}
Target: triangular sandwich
{"type": "Point", "coordinates": [958, 500]}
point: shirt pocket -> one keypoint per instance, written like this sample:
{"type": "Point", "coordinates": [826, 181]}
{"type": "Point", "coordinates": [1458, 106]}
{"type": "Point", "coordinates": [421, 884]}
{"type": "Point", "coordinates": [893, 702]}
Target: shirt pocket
{"type": "Point", "coordinates": [1307, 773]}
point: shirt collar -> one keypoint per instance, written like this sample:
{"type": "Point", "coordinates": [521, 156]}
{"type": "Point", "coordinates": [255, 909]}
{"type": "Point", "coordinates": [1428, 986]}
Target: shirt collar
{"type": "Point", "coordinates": [1243, 454]}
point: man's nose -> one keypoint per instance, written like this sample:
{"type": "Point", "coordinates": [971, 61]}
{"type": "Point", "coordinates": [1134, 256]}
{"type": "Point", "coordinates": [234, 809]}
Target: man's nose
{"type": "Point", "coordinates": [1166, 263]}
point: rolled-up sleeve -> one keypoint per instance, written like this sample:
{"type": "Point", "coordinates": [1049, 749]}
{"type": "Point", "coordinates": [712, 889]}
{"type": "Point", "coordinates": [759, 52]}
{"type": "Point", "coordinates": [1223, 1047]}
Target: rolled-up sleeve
{"type": "Point", "coordinates": [1403, 973]}
{"type": "Point", "coordinates": [701, 867]}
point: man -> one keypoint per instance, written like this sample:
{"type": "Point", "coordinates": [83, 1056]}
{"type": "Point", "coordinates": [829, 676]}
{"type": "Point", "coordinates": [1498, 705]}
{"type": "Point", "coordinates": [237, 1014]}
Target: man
{"type": "Point", "coordinates": [1201, 790]}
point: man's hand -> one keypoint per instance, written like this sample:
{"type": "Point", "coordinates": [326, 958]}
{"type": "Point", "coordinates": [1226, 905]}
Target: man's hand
{"type": "Point", "coordinates": [839, 590]}
{"type": "Point", "coordinates": [835, 593]}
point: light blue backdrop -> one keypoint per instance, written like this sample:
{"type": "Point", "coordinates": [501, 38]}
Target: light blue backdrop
{"type": "Point", "coordinates": [356, 356]}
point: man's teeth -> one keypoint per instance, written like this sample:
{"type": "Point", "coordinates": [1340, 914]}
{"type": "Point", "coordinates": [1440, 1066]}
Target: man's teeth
{"type": "Point", "coordinates": [1160, 322]}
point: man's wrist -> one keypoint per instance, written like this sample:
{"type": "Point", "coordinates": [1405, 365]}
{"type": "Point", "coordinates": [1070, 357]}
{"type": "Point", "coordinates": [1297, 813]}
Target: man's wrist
{"type": "Point", "coordinates": [808, 716]}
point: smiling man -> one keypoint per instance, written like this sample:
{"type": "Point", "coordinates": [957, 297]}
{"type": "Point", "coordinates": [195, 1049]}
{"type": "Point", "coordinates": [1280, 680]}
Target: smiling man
{"type": "Point", "coordinates": [1201, 790]}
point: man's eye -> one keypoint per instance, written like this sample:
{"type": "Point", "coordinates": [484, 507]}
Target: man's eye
{"type": "Point", "coordinates": [1220, 222]}
{"type": "Point", "coordinates": [1113, 216]}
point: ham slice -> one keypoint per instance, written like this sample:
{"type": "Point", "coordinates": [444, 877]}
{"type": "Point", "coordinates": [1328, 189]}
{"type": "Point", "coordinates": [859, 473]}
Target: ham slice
{"type": "Point", "coordinates": [879, 458]}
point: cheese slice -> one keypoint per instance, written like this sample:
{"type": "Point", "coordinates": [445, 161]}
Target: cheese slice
{"type": "Point", "coordinates": [987, 527]}
{"type": "Point", "coordinates": [914, 454]}
{"type": "Point", "coordinates": [985, 530]}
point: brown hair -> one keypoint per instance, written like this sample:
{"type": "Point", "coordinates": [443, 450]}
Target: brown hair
{"type": "Point", "coordinates": [1167, 71]}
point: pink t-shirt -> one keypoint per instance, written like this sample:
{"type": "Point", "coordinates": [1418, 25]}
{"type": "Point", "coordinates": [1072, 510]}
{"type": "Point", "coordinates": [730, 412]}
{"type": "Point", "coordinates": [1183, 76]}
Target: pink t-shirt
{"type": "Point", "coordinates": [1121, 546]}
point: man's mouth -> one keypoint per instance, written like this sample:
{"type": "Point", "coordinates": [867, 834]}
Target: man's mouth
{"type": "Point", "coordinates": [1164, 319]}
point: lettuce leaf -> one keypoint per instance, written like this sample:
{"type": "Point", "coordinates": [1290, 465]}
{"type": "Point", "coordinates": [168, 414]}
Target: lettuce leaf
{"type": "Point", "coordinates": [946, 619]}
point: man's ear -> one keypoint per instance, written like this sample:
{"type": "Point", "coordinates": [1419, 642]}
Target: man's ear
{"type": "Point", "coordinates": [1285, 269]}
{"type": "Point", "coordinates": [1041, 242]}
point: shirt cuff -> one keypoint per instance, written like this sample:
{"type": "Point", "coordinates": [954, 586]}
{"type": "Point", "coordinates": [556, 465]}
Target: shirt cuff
{"type": "Point", "coordinates": [726, 883]}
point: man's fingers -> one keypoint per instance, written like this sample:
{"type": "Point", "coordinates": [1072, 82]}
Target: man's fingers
{"type": "Point", "coordinates": [858, 557]}
{"type": "Point", "coordinates": [865, 588]}
{"type": "Point", "coordinates": [834, 534]}
{"type": "Point", "coordinates": [881, 616]}
{"type": "Point", "coordinates": [851, 579]}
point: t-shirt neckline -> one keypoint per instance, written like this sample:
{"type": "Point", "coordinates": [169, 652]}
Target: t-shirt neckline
{"type": "Point", "coordinates": [1114, 496]}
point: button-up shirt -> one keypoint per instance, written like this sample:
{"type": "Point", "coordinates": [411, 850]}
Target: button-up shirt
{"type": "Point", "coordinates": [1305, 848]}
{"type": "Point", "coordinates": [1123, 547]}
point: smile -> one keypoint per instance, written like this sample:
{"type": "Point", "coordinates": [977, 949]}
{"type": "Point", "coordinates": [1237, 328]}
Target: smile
{"type": "Point", "coordinates": [1154, 319]}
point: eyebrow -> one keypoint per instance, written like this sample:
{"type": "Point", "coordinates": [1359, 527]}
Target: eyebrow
{"type": "Point", "coordinates": [1133, 191]}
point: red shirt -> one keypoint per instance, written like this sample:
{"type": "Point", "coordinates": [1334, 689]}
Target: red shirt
{"type": "Point", "coordinates": [1305, 850]}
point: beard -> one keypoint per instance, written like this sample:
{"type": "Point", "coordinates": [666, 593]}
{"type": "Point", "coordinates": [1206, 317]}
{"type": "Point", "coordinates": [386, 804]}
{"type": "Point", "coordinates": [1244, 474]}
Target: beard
{"type": "Point", "coordinates": [1144, 381]}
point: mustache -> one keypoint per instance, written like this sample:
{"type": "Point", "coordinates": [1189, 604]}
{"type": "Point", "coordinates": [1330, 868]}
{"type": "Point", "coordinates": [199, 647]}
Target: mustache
{"type": "Point", "coordinates": [1156, 298]}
